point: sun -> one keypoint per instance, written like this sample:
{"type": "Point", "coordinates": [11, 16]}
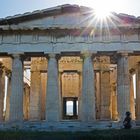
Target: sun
{"type": "Point", "coordinates": [102, 9]}
{"type": "Point", "coordinates": [101, 14]}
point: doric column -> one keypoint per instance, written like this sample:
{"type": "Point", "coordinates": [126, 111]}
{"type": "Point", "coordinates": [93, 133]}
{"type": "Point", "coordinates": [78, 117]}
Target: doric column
{"type": "Point", "coordinates": [1, 92]}
{"type": "Point", "coordinates": [132, 100]}
{"type": "Point", "coordinates": [98, 94]}
{"type": "Point", "coordinates": [123, 85]}
{"type": "Point", "coordinates": [35, 91]}
{"type": "Point", "coordinates": [16, 97]}
{"type": "Point", "coordinates": [26, 101]}
{"type": "Point", "coordinates": [43, 95]}
{"type": "Point", "coordinates": [138, 92]}
{"type": "Point", "coordinates": [87, 105]}
{"type": "Point", "coordinates": [114, 102]}
{"type": "Point", "coordinates": [7, 112]}
{"type": "Point", "coordinates": [113, 78]}
{"type": "Point", "coordinates": [53, 95]}
{"type": "Point", "coordinates": [80, 92]}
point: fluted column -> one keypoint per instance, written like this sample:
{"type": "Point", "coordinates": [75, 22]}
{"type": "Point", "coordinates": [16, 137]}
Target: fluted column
{"type": "Point", "coordinates": [43, 94]}
{"type": "Point", "coordinates": [132, 100]}
{"type": "Point", "coordinates": [16, 97]}
{"type": "Point", "coordinates": [98, 95]}
{"type": "Point", "coordinates": [80, 92]}
{"type": "Point", "coordinates": [87, 112]}
{"type": "Point", "coordinates": [114, 102]}
{"type": "Point", "coordinates": [123, 86]}
{"type": "Point", "coordinates": [53, 95]}
{"type": "Point", "coordinates": [138, 92]}
{"type": "Point", "coordinates": [7, 111]}
{"type": "Point", "coordinates": [26, 100]}
{"type": "Point", "coordinates": [113, 78]}
{"type": "Point", "coordinates": [1, 92]}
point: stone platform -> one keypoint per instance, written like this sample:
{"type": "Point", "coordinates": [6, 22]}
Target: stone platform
{"type": "Point", "coordinates": [60, 126]}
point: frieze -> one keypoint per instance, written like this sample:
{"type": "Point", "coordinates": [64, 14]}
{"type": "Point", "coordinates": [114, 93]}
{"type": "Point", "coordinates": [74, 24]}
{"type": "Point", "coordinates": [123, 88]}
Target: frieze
{"type": "Point", "coordinates": [38, 60]}
{"type": "Point", "coordinates": [38, 38]}
{"type": "Point", "coordinates": [102, 63]}
{"type": "Point", "coordinates": [35, 38]}
{"type": "Point", "coordinates": [17, 38]}
{"type": "Point", "coordinates": [64, 60]}
{"type": "Point", "coordinates": [102, 59]}
{"type": "Point", "coordinates": [8, 38]}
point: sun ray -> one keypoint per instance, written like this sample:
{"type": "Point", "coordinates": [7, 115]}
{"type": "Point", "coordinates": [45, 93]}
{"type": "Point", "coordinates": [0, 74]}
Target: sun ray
{"type": "Point", "coordinates": [99, 21]}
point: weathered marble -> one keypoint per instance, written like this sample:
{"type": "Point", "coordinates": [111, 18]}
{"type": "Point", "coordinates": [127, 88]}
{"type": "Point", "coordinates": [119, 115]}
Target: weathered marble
{"type": "Point", "coordinates": [123, 86]}
{"type": "Point", "coordinates": [105, 88]}
{"type": "Point", "coordinates": [53, 107]}
{"type": "Point", "coordinates": [43, 94]}
{"type": "Point", "coordinates": [2, 79]}
{"type": "Point", "coordinates": [26, 101]}
{"type": "Point", "coordinates": [102, 93]}
{"type": "Point", "coordinates": [138, 92]}
{"type": "Point", "coordinates": [98, 95]}
{"type": "Point", "coordinates": [113, 78]}
{"type": "Point", "coordinates": [7, 112]}
{"type": "Point", "coordinates": [70, 84]}
{"type": "Point", "coordinates": [35, 91]}
{"type": "Point", "coordinates": [87, 112]}
{"type": "Point", "coordinates": [16, 97]}
{"type": "Point", "coordinates": [132, 100]}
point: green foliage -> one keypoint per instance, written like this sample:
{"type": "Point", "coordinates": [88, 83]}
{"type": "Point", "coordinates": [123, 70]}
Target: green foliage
{"type": "Point", "coordinates": [112, 134]}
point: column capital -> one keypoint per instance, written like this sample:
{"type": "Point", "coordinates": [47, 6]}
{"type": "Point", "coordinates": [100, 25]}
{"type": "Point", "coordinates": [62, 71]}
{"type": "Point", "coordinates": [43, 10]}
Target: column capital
{"type": "Point", "coordinates": [85, 54]}
{"type": "Point", "coordinates": [53, 55]}
{"type": "Point", "coordinates": [16, 55]}
{"type": "Point", "coordinates": [124, 53]}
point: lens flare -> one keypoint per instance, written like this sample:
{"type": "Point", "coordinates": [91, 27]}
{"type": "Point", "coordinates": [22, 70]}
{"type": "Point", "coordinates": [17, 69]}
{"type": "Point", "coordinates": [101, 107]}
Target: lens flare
{"type": "Point", "coordinates": [101, 14]}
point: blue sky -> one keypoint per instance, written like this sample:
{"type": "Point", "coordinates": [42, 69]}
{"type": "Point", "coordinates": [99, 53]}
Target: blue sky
{"type": "Point", "coordinates": [12, 7]}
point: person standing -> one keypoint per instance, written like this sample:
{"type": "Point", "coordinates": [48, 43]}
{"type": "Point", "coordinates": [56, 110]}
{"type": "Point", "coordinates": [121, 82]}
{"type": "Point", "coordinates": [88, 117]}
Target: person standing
{"type": "Point", "coordinates": [127, 120]}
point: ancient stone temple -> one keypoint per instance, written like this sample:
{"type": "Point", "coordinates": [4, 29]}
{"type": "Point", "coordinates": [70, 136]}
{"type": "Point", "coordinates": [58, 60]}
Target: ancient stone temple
{"type": "Point", "coordinates": [63, 69]}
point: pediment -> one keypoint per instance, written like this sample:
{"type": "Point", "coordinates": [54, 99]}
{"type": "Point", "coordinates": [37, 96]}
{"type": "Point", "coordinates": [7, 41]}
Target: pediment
{"type": "Point", "coordinates": [65, 17]}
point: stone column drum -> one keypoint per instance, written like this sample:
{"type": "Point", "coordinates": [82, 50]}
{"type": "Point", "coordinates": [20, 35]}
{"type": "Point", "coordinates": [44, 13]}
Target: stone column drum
{"type": "Point", "coordinates": [132, 100]}
{"type": "Point", "coordinates": [123, 85]}
{"type": "Point", "coordinates": [1, 92]}
{"type": "Point", "coordinates": [87, 104]}
{"type": "Point", "coordinates": [138, 92]}
{"type": "Point", "coordinates": [52, 95]}
{"type": "Point", "coordinates": [7, 112]}
{"type": "Point", "coordinates": [16, 97]}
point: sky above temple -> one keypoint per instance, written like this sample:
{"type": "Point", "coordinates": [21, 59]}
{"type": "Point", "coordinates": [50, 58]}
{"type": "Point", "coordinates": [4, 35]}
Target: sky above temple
{"type": "Point", "coordinates": [12, 7]}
